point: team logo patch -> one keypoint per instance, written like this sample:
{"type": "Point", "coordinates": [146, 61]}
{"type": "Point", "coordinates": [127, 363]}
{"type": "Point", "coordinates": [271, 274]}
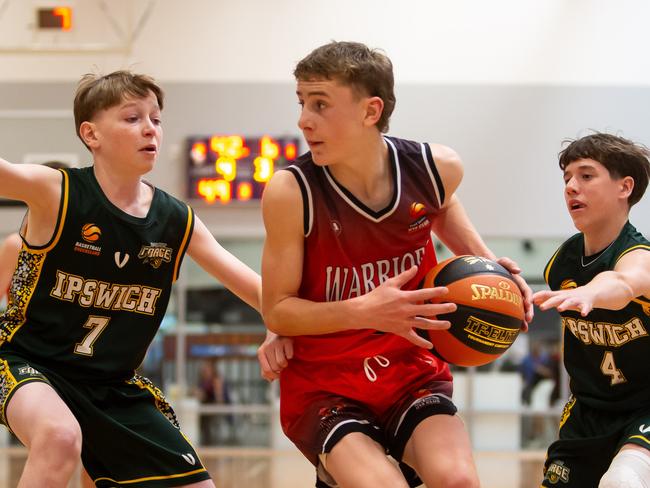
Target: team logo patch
{"type": "Point", "coordinates": [156, 254]}
{"type": "Point", "coordinates": [556, 472]}
{"type": "Point", "coordinates": [568, 284]}
{"type": "Point", "coordinates": [426, 399]}
{"type": "Point", "coordinates": [418, 212]}
{"type": "Point", "coordinates": [189, 458]}
{"type": "Point", "coordinates": [28, 371]}
{"type": "Point", "coordinates": [120, 260]}
{"type": "Point", "coordinates": [336, 227]}
{"type": "Point", "coordinates": [90, 234]}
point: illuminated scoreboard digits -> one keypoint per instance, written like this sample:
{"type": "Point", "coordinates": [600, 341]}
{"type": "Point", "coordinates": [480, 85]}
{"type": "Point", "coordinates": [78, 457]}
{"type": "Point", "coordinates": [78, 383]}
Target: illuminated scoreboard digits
{"type": "Point", "coordinates": [54, 18]}
{"type": "Point", "coordinates": [233, 168]}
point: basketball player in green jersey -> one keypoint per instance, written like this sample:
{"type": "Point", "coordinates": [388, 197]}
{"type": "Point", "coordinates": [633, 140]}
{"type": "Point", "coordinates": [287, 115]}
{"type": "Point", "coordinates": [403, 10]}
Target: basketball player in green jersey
{"type": "Point", "coordinates": [600, 282]}
{"type": "Point", "coordinates": [101, 250]}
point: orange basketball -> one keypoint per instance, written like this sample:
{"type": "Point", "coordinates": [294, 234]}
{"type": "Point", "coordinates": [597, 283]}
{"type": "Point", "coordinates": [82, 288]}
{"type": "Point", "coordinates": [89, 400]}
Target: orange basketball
{"type": "Point", "coordinates": [489, 314]}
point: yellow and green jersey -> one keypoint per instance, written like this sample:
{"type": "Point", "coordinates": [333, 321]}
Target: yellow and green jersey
{"type": "Point", "coordinates": [89, 302]}
{"type": "Point", "coordinates": [605, 353]}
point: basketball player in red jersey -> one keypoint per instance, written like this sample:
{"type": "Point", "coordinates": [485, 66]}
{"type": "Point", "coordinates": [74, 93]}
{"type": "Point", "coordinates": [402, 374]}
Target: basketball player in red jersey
{"type": "Point", "coordinates": [348, 241]}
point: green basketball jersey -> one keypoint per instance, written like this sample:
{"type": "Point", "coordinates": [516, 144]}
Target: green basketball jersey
{"type": "Point", "coordinates": [606, 352]}
{"type": "Point", "coordinates": [89, 302]}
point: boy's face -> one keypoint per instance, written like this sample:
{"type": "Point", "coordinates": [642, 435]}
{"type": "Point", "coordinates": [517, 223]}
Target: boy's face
{"type": "Point", "coordinates": [128, 135]}
{"type": "Point", "coordinates": [591, 194]}
{"type": "Point", "coordinates": [333, 119]}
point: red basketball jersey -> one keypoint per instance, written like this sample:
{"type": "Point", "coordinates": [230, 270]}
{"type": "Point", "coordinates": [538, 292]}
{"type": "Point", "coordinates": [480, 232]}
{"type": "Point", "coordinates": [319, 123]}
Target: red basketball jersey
{"type": "Point", "coordinates": [350, 249]}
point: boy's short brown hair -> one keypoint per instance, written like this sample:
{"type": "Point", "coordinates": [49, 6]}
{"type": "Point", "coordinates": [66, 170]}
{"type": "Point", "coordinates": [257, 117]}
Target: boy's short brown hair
{"type": "Point", "coordinates": [620, 156]}
{"type": "Point", "coordinates": [355, 64]}
{"type": "Point", "coordinates": [96, 92]}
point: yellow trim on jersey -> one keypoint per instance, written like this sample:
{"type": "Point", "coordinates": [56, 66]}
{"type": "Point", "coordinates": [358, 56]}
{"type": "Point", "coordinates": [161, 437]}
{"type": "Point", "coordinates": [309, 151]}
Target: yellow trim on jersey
{"type": "Point", "coordinates": [150, 478]}
{"type": "Point", "coordinates": [639, 437]}
{"type": "Point", "coordinates": [60, 218]}
{"type": "Point", "coordinates": [547, 271]}
{"type": "Point", "coordinates": [566, 411]}
{"type": "Point", "coordinates": [630, 249]}
{"type": "Point", "coordinates": [181, 249]}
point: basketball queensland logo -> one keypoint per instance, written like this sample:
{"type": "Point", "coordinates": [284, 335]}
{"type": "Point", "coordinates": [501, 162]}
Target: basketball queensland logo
{"type": "Point", "coordinates": [418, 214]}
{"type": "Point", "coordinates": [90, 234]}
{"type": "Point", "coordinates": [568, 284]}
{"type": "Point", "coordinates": [156, 254]}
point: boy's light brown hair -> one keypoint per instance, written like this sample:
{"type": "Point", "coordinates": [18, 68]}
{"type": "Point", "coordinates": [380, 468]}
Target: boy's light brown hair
{"type": "Point", "coordinates": [96, 92]}
{"type": "Point", "coordinates": [369, 71]}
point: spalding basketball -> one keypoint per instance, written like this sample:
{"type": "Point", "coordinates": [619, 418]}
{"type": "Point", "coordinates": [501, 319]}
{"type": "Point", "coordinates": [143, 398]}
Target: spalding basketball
{"type": "Point", "coordinates": [489, 314]}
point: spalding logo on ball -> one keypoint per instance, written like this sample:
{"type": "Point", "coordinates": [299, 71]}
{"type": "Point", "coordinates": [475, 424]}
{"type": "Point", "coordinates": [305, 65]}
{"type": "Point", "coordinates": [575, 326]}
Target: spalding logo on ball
{"type": "Point", "coordinates": [489, 315]}
{"type": "Point", "coordinates": [91, 233]}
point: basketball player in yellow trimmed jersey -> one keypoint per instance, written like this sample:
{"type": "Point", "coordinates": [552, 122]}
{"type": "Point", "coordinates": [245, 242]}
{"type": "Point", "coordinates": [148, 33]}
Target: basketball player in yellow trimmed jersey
{"type": "Point", "coordinates": [600, 282]}
{"type": "Point", "coordinates": [101, 249]}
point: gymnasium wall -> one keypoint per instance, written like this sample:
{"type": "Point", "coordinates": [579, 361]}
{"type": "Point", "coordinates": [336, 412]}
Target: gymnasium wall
{"type": "Point", "coordinates": [502, 82]}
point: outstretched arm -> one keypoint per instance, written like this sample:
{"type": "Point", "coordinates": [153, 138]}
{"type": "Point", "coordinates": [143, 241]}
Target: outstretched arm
{"type": "Point", "coordinates": [611, 290]}
{"type": "Point", "coordinates": [454, 228]}
{"type": "Point", "coordinates": [274, 353]}
{"type": "Point", "coordinates": [224, 266]}
{"type": "Point", "coordinates": [287, 314]}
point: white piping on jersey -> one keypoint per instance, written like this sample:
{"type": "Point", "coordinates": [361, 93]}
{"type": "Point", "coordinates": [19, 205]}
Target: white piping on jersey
{"type": "Point", "coordinates": [310, 201]}
{"type": "Point", "coordinates": [401, 419]}
{"type": "Point", "coordinates": [433, 178]}
{"type": "Point", "coordinates": [338, 426]}
{"type": "Point", "coordinates": [398, 189]}
{"type": "Point", "coordinates": [370, 373]}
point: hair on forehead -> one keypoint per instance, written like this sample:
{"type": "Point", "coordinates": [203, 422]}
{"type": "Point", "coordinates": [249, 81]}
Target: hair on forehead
{"type": "Point", "coordinates": [368, 71]}
{"type": "Point", "coordinates": [99, 92]}
{"type": "Point", "coordinates": [621, 157]}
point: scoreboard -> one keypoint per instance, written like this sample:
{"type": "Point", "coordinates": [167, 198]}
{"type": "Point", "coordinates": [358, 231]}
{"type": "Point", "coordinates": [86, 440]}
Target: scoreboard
{"type": "Point", "coordinates": [223, 169]}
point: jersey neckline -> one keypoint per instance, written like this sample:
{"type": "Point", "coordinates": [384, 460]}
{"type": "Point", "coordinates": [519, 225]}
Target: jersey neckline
{"type": "Point", "coordinates": [141, 221]}
{"type": "Point", "coordinates": [358, 205]}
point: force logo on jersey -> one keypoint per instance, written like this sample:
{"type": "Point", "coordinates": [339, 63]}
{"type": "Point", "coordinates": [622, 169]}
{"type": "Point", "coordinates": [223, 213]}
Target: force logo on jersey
{"type": "Point", "coordinates": [418, 212]}
{"type": "Point", "coordinates": [155, 254]}
{"type": "Point", "coordinates": [557, 471]}
{"type": "Point", "coordinates": [91, 234]}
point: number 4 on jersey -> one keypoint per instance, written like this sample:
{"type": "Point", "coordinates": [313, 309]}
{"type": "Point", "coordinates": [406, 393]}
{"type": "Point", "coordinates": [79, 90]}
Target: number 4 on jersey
{"type": "Point", "coordinates": [96, 325]}
{"type": "Point", "coordinates": [608, 367]}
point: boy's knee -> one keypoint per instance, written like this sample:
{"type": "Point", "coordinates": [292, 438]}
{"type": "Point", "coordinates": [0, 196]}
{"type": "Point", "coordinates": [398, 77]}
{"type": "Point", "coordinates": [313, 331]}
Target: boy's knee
{"type": "Point", "coordinates": [621, 477]}
{"type": "Point", "coordinates": [61, 440]}
{"type": "Point", "coordinates": [460, 479]}
{"type": "Point", "coordinates": [629, 469]}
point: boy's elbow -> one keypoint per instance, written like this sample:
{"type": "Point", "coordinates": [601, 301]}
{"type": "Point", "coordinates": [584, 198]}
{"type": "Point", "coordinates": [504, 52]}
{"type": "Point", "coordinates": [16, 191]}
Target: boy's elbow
{"type": "Point", "coordinates": [271, 322]}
